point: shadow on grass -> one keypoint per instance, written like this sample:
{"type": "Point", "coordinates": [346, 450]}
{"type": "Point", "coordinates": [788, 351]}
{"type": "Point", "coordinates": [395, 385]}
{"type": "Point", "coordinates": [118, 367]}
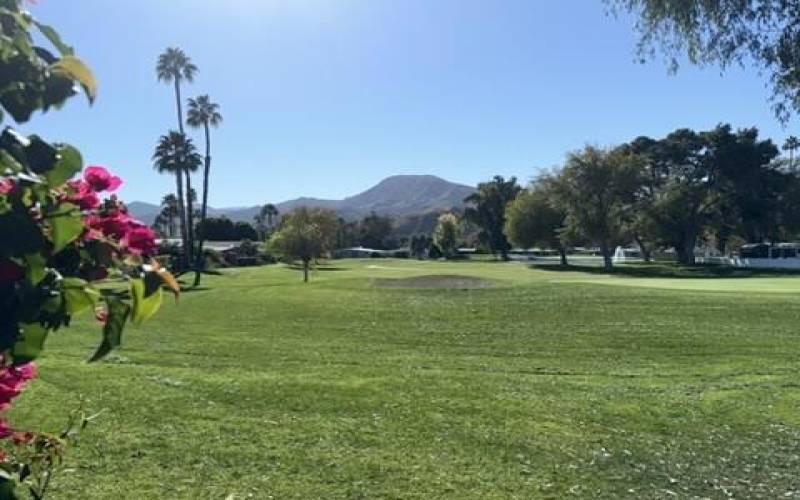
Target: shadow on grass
{"type": "Point", "coordinates": [670, 271]}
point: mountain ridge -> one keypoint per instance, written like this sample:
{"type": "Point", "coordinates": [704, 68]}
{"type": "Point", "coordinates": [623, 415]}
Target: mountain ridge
{"type": "Point", "coordinates": [395, 196]}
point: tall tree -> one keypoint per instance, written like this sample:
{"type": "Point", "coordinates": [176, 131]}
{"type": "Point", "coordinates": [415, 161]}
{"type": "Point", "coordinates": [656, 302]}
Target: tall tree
{"type": "Point", "coordinates": [725, 32]}
{"type": "Point", "coordinates": [374, 231]}
{"type": "Point", "coordinates": [487, 210]}
{"type": "Point", "coordinates": [203, 113]}
{"type": "Point", "coordinates": [170, 212]}
{"type": "Point", "coordinates": [305, 234]}
{"type": "Point", "coordinates": [448, 230]}
{"type": "Point", "coordinates": [535, 219]}
{"type": "Point", "coordinates": [174, 66]}
{"type": "Point", "coordinates": [265, 219]}
{"type": "Point", "coordinates": [595, 189]}
{"type": "Point", "coordinates": [717, 183]}
{"type": "Point", "coordinates": [175, 153]}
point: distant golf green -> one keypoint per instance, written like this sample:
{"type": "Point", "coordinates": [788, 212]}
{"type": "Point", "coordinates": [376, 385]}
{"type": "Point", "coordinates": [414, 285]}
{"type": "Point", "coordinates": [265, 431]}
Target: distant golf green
{"type": "Point", "coordinates": [410, 379]}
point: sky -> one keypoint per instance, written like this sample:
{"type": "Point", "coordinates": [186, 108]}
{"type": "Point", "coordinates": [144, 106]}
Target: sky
{"type": "Point", "coordinates": [325, 98]}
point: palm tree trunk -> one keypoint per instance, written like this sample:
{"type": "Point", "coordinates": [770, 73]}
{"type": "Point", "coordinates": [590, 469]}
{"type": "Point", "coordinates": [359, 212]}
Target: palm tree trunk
{"type": "Point", "coordinates": [186, 231]}
{"type": "Point", "coordinates": [181, 215]}
{"type": "Point", "coordinates": [178, 104]}
{"type": "Point", "coordinates": [200, 261]}
{"type": "Point", "coordinates": [189, 218]}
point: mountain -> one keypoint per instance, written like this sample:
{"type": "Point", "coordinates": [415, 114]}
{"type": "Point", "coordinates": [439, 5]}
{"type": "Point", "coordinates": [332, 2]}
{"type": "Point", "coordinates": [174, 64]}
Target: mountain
{"type": "Point", "coordinates": [399, 196]}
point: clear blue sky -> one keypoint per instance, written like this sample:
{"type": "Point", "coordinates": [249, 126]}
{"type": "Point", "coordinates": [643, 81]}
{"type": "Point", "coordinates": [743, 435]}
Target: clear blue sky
{"type": "Point", "coordinates": [326, 97]}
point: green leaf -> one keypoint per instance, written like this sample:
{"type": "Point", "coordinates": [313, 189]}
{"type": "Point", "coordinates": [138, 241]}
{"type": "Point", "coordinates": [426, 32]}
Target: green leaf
{"type": "Point", "coordinates": [52, 35]}
{"type": "Point", "coordinates": [118, 313]}
{"type": "Point", "coordinates": [29, 344]}
{"type": "Point", "coordinates": [74, 68]}
{"type": "Point", "coordinates": [78, 295]}
{"type": "Point", "coordinates": [40, 155]}
{"type": "Point", "coordinates": [69, 163]}
{"type": "Point", "coordinates": [147, 298]}
{"type": "Point", "coordinates": [35, 267]}
{"type": "Point", "coordinates": [8, 488]}
{"type": "Point", "coordinates": [9, 162]}
{"type": "Point", "coordinates": [66, 225]}
{"type": "Point", "coordinates": [27, 238]}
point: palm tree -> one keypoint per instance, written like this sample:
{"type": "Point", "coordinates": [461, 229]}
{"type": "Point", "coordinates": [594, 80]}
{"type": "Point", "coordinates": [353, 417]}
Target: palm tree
{"type": "Point", "coordinates": [271, 212]}
{"type": "Point", "coordinates": [176, 154]}
{"type": "Point", "coordinates": [174, 66]}
{"type": "Point", "coordinates": [203, 113]}
{"type": "Point", "coordinates": [792, 143]}
{"type": "Point", "coordinates": [264, 219]}
{"type": "Point", "coordinates": [169, 212]}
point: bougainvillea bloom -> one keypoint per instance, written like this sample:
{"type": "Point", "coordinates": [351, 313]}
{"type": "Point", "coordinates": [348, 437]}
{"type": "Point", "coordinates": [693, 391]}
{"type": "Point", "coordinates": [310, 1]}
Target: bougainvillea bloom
{"type": "Point", "coordinates": [100, 179]}
{"type": "Point", "coordinates": [12, 381]}
{"type": "Point", "coordinates": [7, 186]}
{"type": "Point", "coordinates": [115, 225]}
{"type": "Point", "coordinates": [82, 195]}
{"type": "Point", "coordinates": [141, 240]}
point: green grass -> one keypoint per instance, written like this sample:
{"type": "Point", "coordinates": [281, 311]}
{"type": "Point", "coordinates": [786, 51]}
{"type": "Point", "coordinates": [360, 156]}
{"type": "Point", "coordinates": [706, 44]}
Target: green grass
{"type": "Point", "coordinates": [545, 385]}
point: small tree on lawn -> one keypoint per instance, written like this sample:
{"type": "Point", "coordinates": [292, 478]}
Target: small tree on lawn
{"type": "Point", "coordinates": [306, 234]}
{"type": "Point", "coordinates": [533, 219]}
{"type": "Point", "coordinates": [447, 233]}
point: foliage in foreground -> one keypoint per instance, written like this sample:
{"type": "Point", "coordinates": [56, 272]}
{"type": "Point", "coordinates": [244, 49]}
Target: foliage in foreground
{"type": "Point", "coordinates": [58, 239]}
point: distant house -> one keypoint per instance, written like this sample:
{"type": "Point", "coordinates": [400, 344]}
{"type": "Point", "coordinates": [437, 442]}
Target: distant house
{"type": "Point", "coordinates": [229, 250]}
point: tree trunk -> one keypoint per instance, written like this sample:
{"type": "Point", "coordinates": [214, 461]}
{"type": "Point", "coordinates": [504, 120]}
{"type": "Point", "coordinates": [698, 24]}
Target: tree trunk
{"type": "Point", "coordinates": [504, 254]}
{"type": "Point", "coordinates": [305, 270]}
{"type": "Point", "coordinates": [608, 263]}
{"type": "Point", "coordinates": [200, 261]}
{"type": "Point", "coordinates": [686, 255]}
{"type": "Point", "coordinates": [181, 216]}
{"type": "Point", "coordinates": [179, 105]}
{"type": "Point", "coordinates": [189, 218]}
{"type": "Point", "coordinates": [563, 253]}
{"type": "Point", "coordinates": [185, 217]}
{"type": "Point", "coordinates": [643, 248]}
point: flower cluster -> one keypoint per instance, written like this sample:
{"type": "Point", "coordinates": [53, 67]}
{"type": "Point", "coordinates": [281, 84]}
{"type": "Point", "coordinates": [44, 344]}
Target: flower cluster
{"type": "Point", "coordinates": [12, 382]}
{"type": "Point", "coordinates": [109, 220]}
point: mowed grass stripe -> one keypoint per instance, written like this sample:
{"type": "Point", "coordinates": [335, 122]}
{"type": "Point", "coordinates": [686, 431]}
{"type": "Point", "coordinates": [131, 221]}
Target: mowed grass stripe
{"type": "Point", "coordinates": [260, 385]}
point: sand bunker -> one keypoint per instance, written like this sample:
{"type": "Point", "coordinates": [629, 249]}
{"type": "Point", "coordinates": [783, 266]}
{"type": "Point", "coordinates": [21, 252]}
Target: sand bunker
{"type": "Point", "coordinates": [446, 281]}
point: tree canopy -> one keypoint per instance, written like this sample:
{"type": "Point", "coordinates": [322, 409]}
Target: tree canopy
{"type": "Point", "coordinates": [305, 234]}
{"type": "Point", "coordinates": [487, 210]}
{"type": "Point", "coordinates": [533, 218]}
{"type": "Point", "coordinates": [447, 232]}
{"type": "Point", "coordinates": [595, 189]}
{"type": "Point", "coordinates": [725, 32]}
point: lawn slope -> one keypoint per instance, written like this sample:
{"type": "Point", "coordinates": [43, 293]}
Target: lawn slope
{"type": "Point", "coordinates": [542, 385]}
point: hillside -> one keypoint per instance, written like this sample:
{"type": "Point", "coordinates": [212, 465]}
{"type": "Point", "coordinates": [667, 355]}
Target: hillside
{"type": "Point", "coordinates": [398, 196]}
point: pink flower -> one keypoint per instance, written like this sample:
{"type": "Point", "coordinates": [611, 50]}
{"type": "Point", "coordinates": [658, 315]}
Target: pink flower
{"type": "Point", "coordinates": [141, 240]}
{"type": "Point", "coordinates": [82, 195]}
{"type": "Point", "coordinates": [100, 179]}
{"type": "Point", "coordinates": [5, 429]}
{"type": "Point", "coordinates": [7, 186]}
{"type": "Point", "coordinates": [12, 382]}
{"type": "Point", "coordinates": [115, 225]}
